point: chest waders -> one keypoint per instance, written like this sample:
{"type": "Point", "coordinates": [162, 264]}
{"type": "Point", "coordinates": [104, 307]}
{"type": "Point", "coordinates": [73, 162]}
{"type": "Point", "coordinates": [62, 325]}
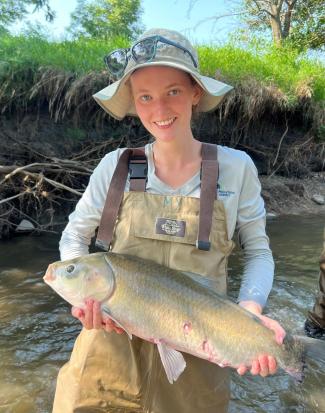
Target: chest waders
{"type": "Point", "coordinates": [317, 315]}
{"type": "Point", "coordinates": [108, 372]}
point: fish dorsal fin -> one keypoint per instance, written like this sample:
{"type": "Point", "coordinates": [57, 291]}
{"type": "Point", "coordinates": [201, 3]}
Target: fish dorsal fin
{"type": "Point", "coordinates": [172, 360]}
{"type": "Point", "coordinates": [108, 313]}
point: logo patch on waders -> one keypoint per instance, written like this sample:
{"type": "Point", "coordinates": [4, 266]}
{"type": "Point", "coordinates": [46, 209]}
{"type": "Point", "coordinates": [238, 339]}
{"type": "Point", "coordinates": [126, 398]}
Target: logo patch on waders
{"type": "Point", "coordinates": [172, 227]}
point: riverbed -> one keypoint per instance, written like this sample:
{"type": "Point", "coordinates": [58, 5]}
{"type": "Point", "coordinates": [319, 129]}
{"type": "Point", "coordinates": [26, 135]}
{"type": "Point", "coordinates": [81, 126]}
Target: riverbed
{"type": "Point", "coordinates": [37, 331]}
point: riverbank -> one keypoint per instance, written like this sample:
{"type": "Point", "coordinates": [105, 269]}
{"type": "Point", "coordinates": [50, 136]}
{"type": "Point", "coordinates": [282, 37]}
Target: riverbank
{"type": "Point", "coordinates": [53, 134]}
{"type": "Point", "coordinates": [293, 196]}
{"type": "Point", "coordinates": [45, 166]}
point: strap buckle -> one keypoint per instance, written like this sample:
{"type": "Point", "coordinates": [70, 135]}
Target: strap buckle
{"type": "Point", "coordinates": [102, 245]}
{"type": "Point", "coordinates": [138, 167]}
{"type": "Point", "coordinates": [203, 245]}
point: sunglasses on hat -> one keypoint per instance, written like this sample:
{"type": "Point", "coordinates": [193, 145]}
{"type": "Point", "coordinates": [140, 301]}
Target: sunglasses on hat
{"type": "Point", "coordinates": [143, 51]}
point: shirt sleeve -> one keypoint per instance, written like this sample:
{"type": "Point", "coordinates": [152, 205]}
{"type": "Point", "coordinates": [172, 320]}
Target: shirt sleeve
{"type": "Point", "coordinates": [258, 261]}
{"type": "Point", "coordinates": [77, 235]}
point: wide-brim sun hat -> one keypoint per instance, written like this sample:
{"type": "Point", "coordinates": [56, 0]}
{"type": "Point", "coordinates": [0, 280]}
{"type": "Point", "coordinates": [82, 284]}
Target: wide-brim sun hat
{"type": "Point", "coordinates": [117, 100]}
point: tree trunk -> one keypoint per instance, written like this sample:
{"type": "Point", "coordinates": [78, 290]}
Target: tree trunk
{"type": "Point", "coordinates": [275, 22]}
{"type": "Point", "coordinates": [287, 19]}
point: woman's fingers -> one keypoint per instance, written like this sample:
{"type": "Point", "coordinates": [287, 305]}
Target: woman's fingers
{"type": "Point", "coordinates": [97, 315]}
{"type": "Point", "coordinates": [272, 365]}
{"type": "Point", "coordinates": [118, 330]}
{"type": "Point", "coordinates": [92, 317]}
{"type": "Point", "coordinates": [88, 320]}
{"type": "Point", "coordinates": [264, 365]}
{"type": "Point", "coordinates": [77, 313]}
{"type": "Point", "coordinates": [111, 326]}
{"type": "Point", "coordinates": [255, 369]}
{"type": "Point", "coordinates": [274, 326]}
{"type": "Point", "coordinates": [242, 369]}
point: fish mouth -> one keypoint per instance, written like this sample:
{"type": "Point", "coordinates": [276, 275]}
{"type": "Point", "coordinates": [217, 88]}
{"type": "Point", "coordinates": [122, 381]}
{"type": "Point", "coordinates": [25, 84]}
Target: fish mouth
{"type": "Point", "coordinates": [49, 275]}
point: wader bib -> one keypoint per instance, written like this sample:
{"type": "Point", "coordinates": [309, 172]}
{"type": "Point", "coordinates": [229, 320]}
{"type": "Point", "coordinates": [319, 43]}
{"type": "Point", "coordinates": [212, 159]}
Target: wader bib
{"type": "Point", "coordinates": [108, 372]}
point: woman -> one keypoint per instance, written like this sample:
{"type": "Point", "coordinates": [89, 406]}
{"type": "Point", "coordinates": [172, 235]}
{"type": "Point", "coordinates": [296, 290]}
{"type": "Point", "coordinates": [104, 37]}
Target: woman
{"type": "Point", "coordinates": [162, 217]}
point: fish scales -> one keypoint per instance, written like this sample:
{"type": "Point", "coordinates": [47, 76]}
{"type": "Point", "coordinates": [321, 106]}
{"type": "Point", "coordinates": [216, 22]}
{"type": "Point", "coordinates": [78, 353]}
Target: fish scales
{"type": "Point", "coordinates": [175, 296]}
{"type": "Point", "coordinates": [173, 301]}
{"type": "Point", "coordinates": [171, 309]}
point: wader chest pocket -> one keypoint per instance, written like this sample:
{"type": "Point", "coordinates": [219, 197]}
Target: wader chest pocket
{"type": "Point", "coordinates": [182, 228]}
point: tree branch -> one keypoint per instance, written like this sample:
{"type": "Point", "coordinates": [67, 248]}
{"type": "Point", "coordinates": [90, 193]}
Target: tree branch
{"type": "Point", "coordinates": [218, 17]}
{"type": "Point", "coordinates": [280, 143]}
{"type": "Point", "coordinates": [260, 9]}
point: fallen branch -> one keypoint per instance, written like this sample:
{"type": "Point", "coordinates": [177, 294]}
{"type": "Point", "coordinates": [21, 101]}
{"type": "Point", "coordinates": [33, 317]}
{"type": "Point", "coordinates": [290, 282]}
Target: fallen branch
{"type": "Point", "coordinates": [3, 201]}
{"type": "Point", "coordinates": [279, 146]}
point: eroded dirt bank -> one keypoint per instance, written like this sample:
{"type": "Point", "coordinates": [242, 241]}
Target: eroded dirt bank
{"type": "Point", "coordinates": [55, 160]}
{"type": "Point", "coordinates": [284, 195]}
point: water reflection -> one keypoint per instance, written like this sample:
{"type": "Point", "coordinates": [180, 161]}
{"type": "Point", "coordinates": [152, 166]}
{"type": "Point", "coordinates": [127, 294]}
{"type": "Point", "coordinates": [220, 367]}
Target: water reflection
{"type": "Point", "coordinates": [37, 331]}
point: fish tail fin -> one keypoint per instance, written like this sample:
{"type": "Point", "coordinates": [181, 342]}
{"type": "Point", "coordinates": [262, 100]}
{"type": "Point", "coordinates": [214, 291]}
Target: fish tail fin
{"type": "Point", "coordinates": [307, 351]}
{"type": "Point", "coordinates": [314, 349]}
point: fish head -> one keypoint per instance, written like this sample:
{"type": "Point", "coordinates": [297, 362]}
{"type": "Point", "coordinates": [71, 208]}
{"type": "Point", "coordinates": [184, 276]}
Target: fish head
{"type": "Point", "coordinates": [82, 278]}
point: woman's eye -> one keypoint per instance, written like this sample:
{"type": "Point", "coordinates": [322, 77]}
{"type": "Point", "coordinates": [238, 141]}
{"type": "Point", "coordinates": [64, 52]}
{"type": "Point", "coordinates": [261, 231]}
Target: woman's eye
{"type": "Point", "coordinates": [70, 269]}
{"type": "Point", "coordinates": [174, 92]}
{"type": "Point", "coordinates": [145, 98]}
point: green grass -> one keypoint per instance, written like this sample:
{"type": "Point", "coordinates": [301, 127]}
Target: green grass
{"type": "Point", "coordinates": [79, 56]}
{"type": "Point", "coordinates": [291, 73]}
{"type": "Point", "coordinates": [283, 68]}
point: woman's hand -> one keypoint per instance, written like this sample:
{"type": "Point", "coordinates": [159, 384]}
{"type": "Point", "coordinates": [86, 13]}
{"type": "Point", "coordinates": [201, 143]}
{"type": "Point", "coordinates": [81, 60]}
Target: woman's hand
{"type": "Point", "coordinates": [265, 364]}
{"type": "Point", "coordinates": [92, 317]}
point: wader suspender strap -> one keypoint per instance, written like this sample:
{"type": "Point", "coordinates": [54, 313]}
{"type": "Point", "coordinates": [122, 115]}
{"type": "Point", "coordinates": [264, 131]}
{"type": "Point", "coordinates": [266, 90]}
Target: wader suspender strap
{"type": "Point", "coordinates": [209, 179]}
{"type": "Point", "coordinates": [133, 161]}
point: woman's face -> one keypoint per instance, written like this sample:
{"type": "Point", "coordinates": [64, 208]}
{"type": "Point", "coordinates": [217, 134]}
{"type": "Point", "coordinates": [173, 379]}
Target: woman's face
{"type": "Point", "coordinates": [164, 98]}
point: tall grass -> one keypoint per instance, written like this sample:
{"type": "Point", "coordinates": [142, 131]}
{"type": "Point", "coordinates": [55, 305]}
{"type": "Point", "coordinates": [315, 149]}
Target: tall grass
{"type": "Point", "coordinates": [293, 75]}
{"type": "Point", "coordinates": [78, 56]}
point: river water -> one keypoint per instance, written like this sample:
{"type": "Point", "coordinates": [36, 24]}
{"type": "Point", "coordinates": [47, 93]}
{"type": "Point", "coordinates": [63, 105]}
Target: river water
{"type": "Point", "coordinates": [37, 331]}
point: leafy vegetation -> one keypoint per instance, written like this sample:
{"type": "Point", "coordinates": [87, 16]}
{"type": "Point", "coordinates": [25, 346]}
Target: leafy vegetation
{"type": "Point", "coordinates": [293, 74]}
{"type": "Point", "coordinates": [105, 19]}
{"type": "Point", "coordinates": [13, 10]}
{"type": "Point", "coordinates": [77, 56]}
{"type": "Point", "coordinates": [300, 21]}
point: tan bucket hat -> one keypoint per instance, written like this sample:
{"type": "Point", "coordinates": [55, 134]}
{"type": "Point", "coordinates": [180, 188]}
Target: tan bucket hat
{"type": "Point", "coordinates": [117, 100]}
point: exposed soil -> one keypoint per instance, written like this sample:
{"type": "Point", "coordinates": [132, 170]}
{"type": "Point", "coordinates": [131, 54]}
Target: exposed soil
{"type": "Point", "coordinates": [284, 195]}
{"type": "Point", "coordinates": [38, 139]}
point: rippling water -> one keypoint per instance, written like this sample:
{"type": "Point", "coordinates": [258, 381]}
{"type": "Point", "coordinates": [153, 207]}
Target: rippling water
{"type": "Point", "coordinates": [37, 331]}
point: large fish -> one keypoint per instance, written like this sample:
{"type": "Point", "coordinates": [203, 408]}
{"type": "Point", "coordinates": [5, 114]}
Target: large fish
{"type": "Point", "coordinates": [174, 311]}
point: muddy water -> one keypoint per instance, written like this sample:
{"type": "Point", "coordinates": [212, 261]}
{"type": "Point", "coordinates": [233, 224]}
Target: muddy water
{"type": "Point", "coordinates": [37, 331]}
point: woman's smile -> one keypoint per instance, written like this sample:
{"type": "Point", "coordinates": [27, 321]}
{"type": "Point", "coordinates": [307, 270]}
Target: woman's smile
{"type": "Point", "coordinates": [164, 124]}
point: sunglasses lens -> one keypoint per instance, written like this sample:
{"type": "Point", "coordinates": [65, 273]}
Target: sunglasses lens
{"type": "Point", "coordinates": [116, 61]}
{"type": "Point", "coordinates": [144, 50]}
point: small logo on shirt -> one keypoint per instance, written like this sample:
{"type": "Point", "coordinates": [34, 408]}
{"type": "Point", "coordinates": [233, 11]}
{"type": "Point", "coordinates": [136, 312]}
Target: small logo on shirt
{"type": "Point", "coordinates": [223, 192]}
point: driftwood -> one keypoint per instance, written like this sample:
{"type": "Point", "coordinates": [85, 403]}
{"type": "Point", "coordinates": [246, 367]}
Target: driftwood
{"type": "Point", "coordinates": [42, 191]}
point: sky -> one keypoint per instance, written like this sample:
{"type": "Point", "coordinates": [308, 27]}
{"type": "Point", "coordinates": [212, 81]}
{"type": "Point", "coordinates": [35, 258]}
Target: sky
{"type": "Point", "coordinates": [170, 14]}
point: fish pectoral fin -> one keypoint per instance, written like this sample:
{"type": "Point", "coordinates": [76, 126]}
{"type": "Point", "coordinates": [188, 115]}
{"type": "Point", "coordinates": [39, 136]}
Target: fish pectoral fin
{"type": "Point", "coordinates": [108, 313]}
{"type": "Point", "coordinates": [172, 360]}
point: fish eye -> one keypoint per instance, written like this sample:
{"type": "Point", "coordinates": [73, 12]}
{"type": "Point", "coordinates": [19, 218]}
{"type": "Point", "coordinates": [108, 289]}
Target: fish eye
{"type": "Point", "coordinates": [70, 268]}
